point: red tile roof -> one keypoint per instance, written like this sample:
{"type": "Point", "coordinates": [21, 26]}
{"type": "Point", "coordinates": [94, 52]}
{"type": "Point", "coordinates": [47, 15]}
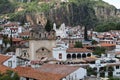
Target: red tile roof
{"type": "Point", "coordinates": [13, 28]}
{"type": "Point", "coordinates": [34, 74]}
{"type": "Point", "coordinates": [113, 64]}
{"type": "Point", "coordinates": [107, 45]}
{"type": "Point", "coordinates": [90, 59]}
{"type": "Point", "coordinates": [3, 68]}
{"type": "Point", "coordinates": [46, 72]}
{"type": "Point", "coordinates": [25, 33]}
{"type": "Point", "coordinates": [100, 36]}
{"type": "Point", "coordinates": [3, 58]}
{"type": "Point", "coordinates": [78, 50]}
{"type": "Point", "coordinates": [117, 53]}
{"type": "Point", "coordinates": [16, 39]}
{"type": "Point", "coordinates": [71, 45]}
{"type": "Point", "coordinates": [24, 41]}
{"type": "Point", "coordinates": [11, 24]}
{"type": "Point", "coordinates": [57, 69]}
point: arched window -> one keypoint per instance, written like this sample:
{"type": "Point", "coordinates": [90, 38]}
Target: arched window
{"type": "Point", "coordinates": [42, 49]}
{"type": "Point", "coordinates": [88, 55]}
{"type": "Point", "coordinates": [84, 55]}
{"type": "Point", "coordinates": [68, 56]}
{"type": "Point", "coordinates": [39, 22]}
{"type": "Point", "coordinates": [73, 56]}
{"type": "Point", "coordinates": [78, 56]}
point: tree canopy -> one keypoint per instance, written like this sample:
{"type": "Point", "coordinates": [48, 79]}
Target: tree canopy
{"type": "Point", "coordinates": [6, 40]}
{"type": "Point", "coordinates": [103, 27]}
{"type": "Point", "coordinates": [78, 44]}
{"type": "Point", "coordinates": [48, 26]}
{"type": "Point", "coordinates": [9, 75]}
{"type": "Point", "coordinates": [94, 42]}
{"type": "Point", "coordinates": [6, 6]}
{"type": "Point", "coordinates": [99, 51]}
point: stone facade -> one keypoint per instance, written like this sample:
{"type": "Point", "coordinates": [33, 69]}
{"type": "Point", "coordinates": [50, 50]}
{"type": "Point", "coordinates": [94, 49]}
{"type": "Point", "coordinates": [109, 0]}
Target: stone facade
{"type": "Point", "coordinates": [23, 52]}
{"type": "Point", "coordinates": [37, 50]}
{"type": "Point", "coordinates": [39, 32]}
{"type": "Point", "coordinates": [40, 44]}
{"type": "Point", "coordinates": [41, 48]}
{"type": "Point", "coordinates": [42, 53]}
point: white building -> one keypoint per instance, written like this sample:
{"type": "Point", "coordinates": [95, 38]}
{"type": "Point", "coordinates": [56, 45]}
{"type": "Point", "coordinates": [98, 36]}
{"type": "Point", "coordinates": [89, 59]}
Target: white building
{"type": "Point", "coordinates": [62, 31]}
{"type": "Point", "coordinates": [12, 61]}
{"type": "Point", "coordinates": [79, 74]}
{"type": "Point", "coordinates": [107, 66]}
{"type": "Point", "coordinates": [12, 29]}
{"type": "Point", "coordinates": [64, 0]}
{"type": "Point", "coordinates": [1, 42]}
{"type": "Point", "coordinates": [52, 72]}
{"type": "Point", "coordinates": [61, 53]}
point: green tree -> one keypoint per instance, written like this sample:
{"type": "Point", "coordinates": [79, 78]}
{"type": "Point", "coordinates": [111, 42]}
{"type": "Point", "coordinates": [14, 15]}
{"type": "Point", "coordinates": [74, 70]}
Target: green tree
{"type": "Point", "coordinates": [107, 26]}
{"type": "Point", "coordinates": [78, 44]}
{"type": "Point", "coordinates": [114, 78]}
{"type": "Point", "coordinates": [94, 42]}
{"type": "Point", "coordinates": [6, 6]}
{"type": "Point", "coordinates": [99, 51]}
{"type": "Point", "coordinates": [9, 75]}
{"type": "Point", "coordinates": [48, 26]}
{"type": "Point", "coordinates": [1, 28]}
{"type": "Point", "coordinates": [118, 26]}
{"type": "Point", "coordinates": [6, 40]}
{"type": "Point", "coordinates": [91, 71]}
{"type": "Point", "coordinates": [85, 34]}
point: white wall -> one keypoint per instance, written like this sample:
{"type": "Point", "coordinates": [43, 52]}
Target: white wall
{"type": "Point", "coordinates": [20, 29]}
{"type": "Point", "coordinates": [57, 51]}
{"type": "Point", "coordinates": [13, 60]}
{"type": "Point", "coordinates": [77, 75]}
{"type": "Point", "coordinates": [22, 78]}
{"type": "Point", "coordinates": [116, 72]}
{"type": "Point", "coordinates": [1, 41]}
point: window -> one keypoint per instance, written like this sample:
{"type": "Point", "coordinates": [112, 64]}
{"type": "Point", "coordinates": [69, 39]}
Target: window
{"type": "Point", "coordinates": [42, 49]}
{"type": "Point", "coordinates": [9, 63]}
{"type": "Point", "coordinates": [60, 55]}
{"type": "Point", "coordinates": [117, 67]}
{"type": "Point", "coordinates": [40, 35]}
{"type": "Point", "coordinates": [24, 53]}
{"type": "Point", "coordinates": [117, 72]}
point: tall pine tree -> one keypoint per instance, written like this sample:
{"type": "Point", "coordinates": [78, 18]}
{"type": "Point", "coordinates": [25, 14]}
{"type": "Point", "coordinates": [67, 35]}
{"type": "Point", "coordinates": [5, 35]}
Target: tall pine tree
{"type": "Point", "coordinates": [85, 34]}
{"type": "Point", "coordinates": [48, 26]}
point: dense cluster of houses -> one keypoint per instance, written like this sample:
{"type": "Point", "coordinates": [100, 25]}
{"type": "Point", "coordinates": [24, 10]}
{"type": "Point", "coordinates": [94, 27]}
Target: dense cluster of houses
{"type": "Point", "coordinates": [53, 55]}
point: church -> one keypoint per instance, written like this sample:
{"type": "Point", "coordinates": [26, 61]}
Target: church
{"type": "Point", "coordinates": [62, 31]}
{"type": "Point", "coordinates": [40, 44]}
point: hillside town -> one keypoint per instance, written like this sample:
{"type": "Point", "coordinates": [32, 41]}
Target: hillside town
{"type": "Point", "coordinates": [60, 54]}
{"type": "Point", "coordinates": [46, 50]}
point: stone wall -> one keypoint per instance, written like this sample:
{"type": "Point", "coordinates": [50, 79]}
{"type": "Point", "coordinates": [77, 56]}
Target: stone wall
{"type": "Point", "coordinates": [34, 45]}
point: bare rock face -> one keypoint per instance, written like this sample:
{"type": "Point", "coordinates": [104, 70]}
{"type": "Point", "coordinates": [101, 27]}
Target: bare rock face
{"type": "Point", "coordinates": [103, 13]}
{"type": "Point", "coordinates": [36, 18]}
{"type": "Point", "coordinates": [72, 14]}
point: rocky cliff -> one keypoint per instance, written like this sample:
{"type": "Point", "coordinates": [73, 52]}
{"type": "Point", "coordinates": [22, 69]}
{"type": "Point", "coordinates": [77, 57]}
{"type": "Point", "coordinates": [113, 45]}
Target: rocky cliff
{"type": "Point", "coordinates": [81, 12]}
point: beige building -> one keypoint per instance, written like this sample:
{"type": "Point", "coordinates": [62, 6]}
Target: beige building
{"type": "Point", "coordinates": [37, 50]}
{"type": "Point", "coordinates": [40, 44]}
{"type": "Point", "coordinates": [41, 48]}
{"type": "Point", "coordinates": [38, 32]}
